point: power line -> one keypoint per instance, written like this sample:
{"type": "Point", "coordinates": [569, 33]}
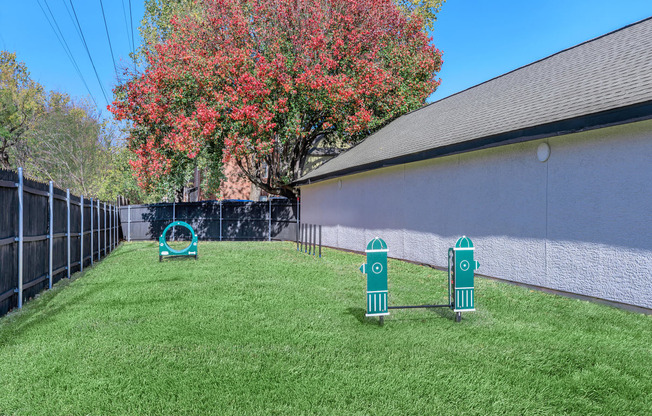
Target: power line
{"type": "Point", "coordinates": [124, 14]}
{"type": "Point", "coordinates": [72, 19]}
{"type": "Point", "coordinates": [64, 45]}
{"type": "Point", "coordinates": [109, 38]}
{"type": "Point", "coordinates": [88, 52]}
{"type": "Point", "coordinates": [131, 20]}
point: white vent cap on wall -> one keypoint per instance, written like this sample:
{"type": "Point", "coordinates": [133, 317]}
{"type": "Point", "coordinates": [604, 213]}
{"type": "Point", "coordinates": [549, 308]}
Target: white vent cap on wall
{"type": "Point", "coordinates": [543, 152]}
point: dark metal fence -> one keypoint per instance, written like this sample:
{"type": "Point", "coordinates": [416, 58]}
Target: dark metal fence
{"type": "Point", "coordinates": [275, 219]}
{"type": "Point", "coordinates": [46, 234]}
{"type": "Point", "coordinates": [308, 239]}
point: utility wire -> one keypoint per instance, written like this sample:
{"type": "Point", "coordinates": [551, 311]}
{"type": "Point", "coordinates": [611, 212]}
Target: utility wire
{"type": "Point", "coordinates": [72, 19]}
{"type": "Point", "coordinates": [124, 14]}
{"type": "Point", "coordinates": [88, 52]}
{"type": "Point", "coordinates": [64, 45]}
{"type": "Point", "coordinates": [109, 38]}
{"type": "Point", "coordinates": [133, 47]}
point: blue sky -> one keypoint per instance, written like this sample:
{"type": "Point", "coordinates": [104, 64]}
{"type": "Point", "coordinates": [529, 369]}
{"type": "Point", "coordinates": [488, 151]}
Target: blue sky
{"type": "Point", "coordinates": [481, 39]}
{"type": "Point", "coordinates": [25, 30]}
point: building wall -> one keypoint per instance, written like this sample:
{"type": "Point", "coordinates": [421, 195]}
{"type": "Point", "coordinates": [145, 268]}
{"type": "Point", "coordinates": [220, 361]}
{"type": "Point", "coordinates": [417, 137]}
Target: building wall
{"type": "Point", "coordinates": [580, 222]}
{"type": "Point", "coordinates": [236, 185]}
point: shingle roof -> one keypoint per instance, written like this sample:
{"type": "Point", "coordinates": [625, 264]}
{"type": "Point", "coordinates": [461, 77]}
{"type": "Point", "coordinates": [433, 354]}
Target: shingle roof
{"type": "Point", "coordinates": [607, 73]}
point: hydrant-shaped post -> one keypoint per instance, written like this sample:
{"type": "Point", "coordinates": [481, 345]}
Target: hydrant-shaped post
{"type": "Point", "coordinates": [376, 270]}
{"type": "Point", "coordinates": [461, 276]}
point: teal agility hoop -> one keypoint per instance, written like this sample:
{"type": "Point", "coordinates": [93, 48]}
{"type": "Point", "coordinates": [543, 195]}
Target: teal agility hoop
{"type": "Point", "coordinates": [165, 250]}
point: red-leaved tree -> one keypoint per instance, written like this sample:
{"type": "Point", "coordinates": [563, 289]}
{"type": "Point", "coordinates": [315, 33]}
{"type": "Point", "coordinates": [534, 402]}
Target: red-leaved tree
{"type": "Point", "coordinates": [261, 80]}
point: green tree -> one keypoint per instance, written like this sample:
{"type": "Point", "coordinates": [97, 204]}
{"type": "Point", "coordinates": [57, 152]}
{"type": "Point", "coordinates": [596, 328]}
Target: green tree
{"type": "Point", "coordinates": [263, 80]}
{"type": "Point", "coordinates": [119, 179]}
{"type": "Point", "coordinates": [69, 145]}
{"type": "Point", "coordinates": [21, 103]}
{"type": "Point", "coordinates": [156, 23]}
{"type": "Point", "coordinates": [426, 9]}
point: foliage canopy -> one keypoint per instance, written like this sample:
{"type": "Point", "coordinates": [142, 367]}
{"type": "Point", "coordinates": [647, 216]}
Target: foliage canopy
{"type": "Point", "coordinates": [22, 101]}
{"type": "Point", "coordinates": [262, 80]}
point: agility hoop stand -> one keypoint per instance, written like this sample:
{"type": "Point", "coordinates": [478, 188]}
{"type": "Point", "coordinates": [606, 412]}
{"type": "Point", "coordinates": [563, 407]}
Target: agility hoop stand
{"type": "Point", "coordinates": [165, 250]}
{"type": "Point", "coordinates": [460, 279]}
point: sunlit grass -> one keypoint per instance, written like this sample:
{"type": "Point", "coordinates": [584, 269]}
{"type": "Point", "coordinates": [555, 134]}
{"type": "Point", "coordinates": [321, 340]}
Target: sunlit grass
{"type": "Point", "coordinates": [258, 328]}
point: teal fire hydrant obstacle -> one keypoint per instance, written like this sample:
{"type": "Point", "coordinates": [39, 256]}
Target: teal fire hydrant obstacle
{"type": "Point", "coordinates": [376, 270]}
{"type": "Point", "coordinates": [461, 266]}
{"type": "Point", "coordinates": [165, 250]}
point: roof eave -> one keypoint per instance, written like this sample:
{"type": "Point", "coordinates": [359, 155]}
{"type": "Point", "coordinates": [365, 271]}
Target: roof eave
{"type": "Point", "coordinates": [622, 115]}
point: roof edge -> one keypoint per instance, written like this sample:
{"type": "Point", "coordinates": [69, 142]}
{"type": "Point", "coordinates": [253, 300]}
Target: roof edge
{"type": "Point", "coordinates": [608, 118]}
{"type": "Point", "coordinates": [529, 64]}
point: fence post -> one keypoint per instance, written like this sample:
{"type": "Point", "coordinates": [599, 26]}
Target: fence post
{"type": "Point", "coordinates": [297, 226]}
{"type": "Point", "coordinates": [81, 233]}
{"type": "Point", "coordinates": [174, 217]}
{"type": "Point", "coordinates": [51, 234]}
{"type": "Point", "coordinates": [269, 220]}
{"type": "Point", "coordinates": [296, 234]}
{"type": "Point", "coordinates": [320, 241]}
{"type": "Point", "coordinates": [20, 237]}
{"type": "Point", "coordinates": [99, 239]}
{"type": "Point", "coordinates": [105, 228]}
{"type": "Point", "coordinates": [128, 222]}
{"type": "Point", "coordinates": [68, 230]}
{"type": "Point", "coordinates": [116, 217]}
{"type": "Point", "coordinates": [110, 228]}
{"type": "Point", "coordinates": [90, 211]}
{"type": "Point", "coordinates": [221, 220]}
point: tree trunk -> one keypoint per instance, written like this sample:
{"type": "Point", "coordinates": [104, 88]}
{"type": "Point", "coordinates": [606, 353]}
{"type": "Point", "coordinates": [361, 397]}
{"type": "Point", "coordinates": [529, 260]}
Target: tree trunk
{"type": "Point", "coordinates": [289, 193]}
{"type": "Point", "coordinates": [4, 160]}
{"type": "Point", "coordinates": [178, 195]}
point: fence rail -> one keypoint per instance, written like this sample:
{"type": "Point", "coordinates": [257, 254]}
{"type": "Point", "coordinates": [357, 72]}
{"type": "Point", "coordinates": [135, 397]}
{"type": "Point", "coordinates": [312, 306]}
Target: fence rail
{"type": "Point", "coordinates": [47, 234]}
{"type": "Point", "coordinates": [274, 219]}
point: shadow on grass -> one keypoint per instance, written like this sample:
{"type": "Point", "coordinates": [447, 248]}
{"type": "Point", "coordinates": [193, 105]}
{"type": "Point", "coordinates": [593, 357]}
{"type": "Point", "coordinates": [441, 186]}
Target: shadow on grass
{"type": "Point", "coordinates": [43, 310]}
{"type": "Point", "coordinates": [359, 314]}
{"type": "Point", "coordinates": [178, 258]}
{"type": "Point", "coordinates": [446, 313]}
{"type": "Point", "coordinates": [125, 249]}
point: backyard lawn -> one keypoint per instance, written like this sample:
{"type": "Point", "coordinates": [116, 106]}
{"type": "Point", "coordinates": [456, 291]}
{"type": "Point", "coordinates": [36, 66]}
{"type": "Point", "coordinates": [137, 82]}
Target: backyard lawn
{"type": "Point", "coordinates": [258, 328]}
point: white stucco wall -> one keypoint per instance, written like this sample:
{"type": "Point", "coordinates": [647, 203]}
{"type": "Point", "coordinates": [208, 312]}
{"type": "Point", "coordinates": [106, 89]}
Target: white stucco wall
{"type": "Point", "coordinates": [580, 222]}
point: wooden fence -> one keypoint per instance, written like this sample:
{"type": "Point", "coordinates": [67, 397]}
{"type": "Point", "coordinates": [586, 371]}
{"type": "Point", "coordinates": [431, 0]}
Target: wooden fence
{"type": "Point", "coordinates": [46, 234]}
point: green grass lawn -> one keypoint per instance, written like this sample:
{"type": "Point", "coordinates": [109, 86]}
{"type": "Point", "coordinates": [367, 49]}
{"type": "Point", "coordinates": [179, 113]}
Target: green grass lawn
{"type": "Point", "coordinates": [258, 328]}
